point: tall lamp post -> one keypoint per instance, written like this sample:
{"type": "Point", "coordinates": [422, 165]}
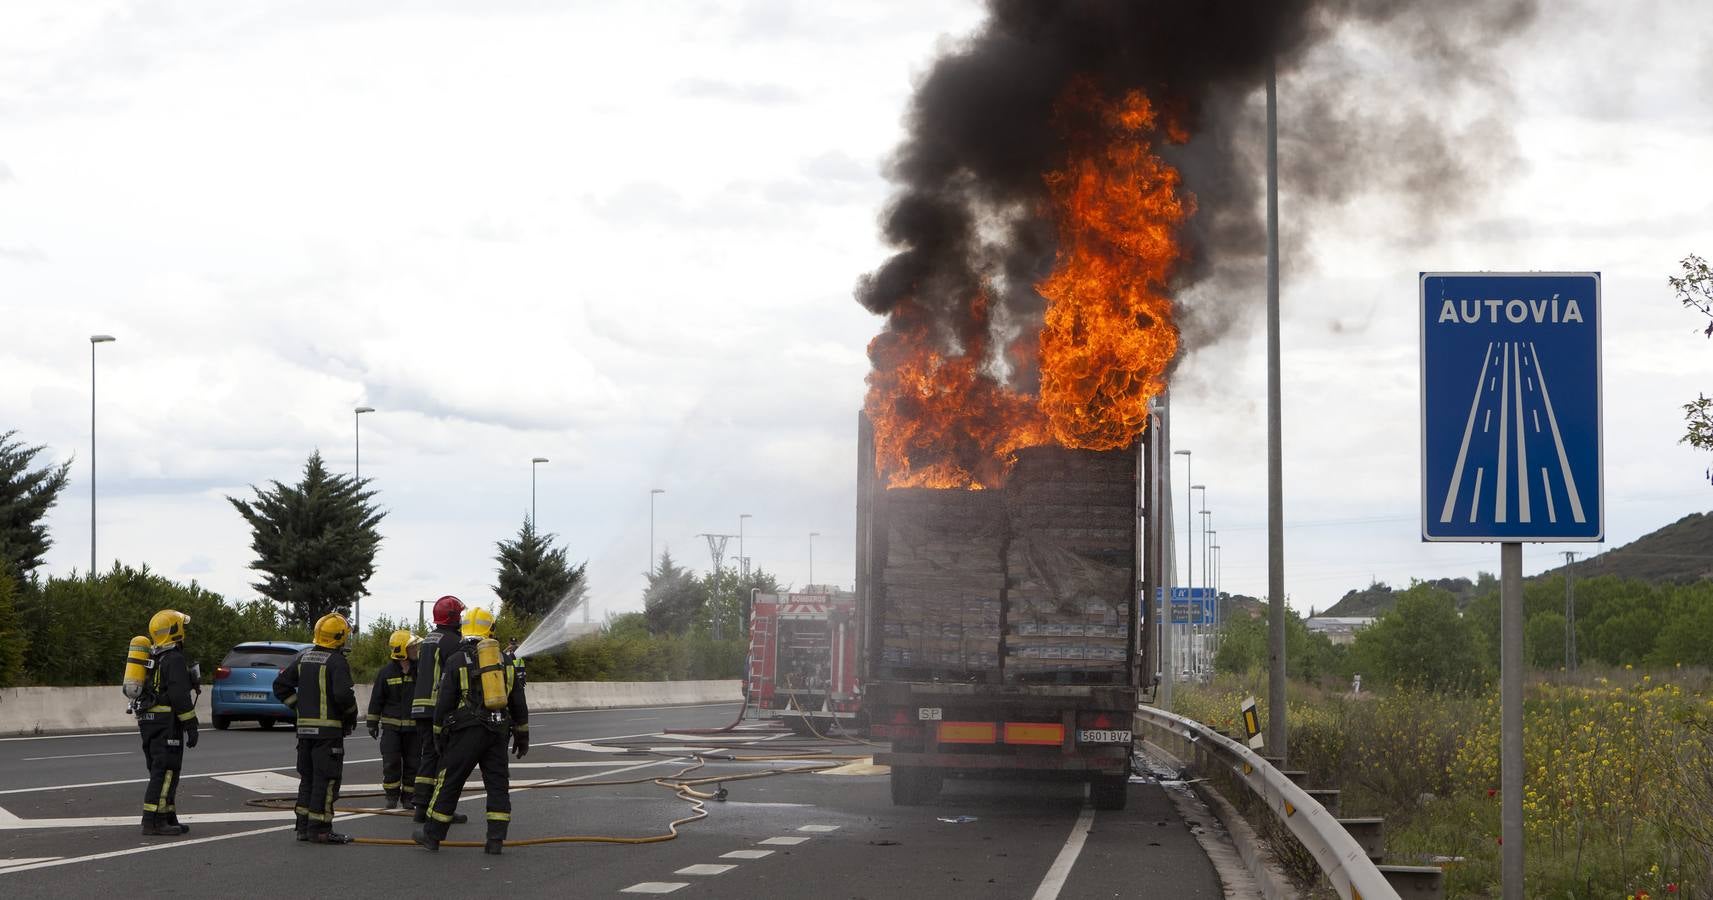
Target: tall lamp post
{"type": "Point", "coordinates": [93, 340]}
{"type": "Point", "coordinates": [532, 464]}
{"type": "Point", "coordinates": [651, 493]}
{"type": "Point", "coordinates": [357, 471]}
{"type": "Point", "coordinates": [812, 536]}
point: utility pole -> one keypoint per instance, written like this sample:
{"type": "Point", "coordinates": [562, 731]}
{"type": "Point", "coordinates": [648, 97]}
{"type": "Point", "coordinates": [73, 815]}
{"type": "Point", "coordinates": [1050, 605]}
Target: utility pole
{"type": "Point", "coordinates": [93, 340]}
{"type": "Point", "coordinates": [1569, 612]}
{"type": "Point", "coordinates": [717, 549]}
{"type": "Point", "coordinates": [1275, 446]}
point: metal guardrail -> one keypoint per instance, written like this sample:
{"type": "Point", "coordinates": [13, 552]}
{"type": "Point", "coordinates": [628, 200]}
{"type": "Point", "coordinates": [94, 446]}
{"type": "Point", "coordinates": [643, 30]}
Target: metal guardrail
{"type": "Point", "coordinates": [1346, 865]}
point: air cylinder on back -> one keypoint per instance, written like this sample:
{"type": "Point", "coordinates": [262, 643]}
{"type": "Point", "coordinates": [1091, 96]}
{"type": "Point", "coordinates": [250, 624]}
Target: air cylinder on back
{"type": "Point", "coordinates": [136, 667]}
{"type": "Point", "coordinates": [492, 667]}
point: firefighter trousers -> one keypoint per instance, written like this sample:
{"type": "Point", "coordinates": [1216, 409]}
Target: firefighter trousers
{"type": "Point", "coordinates": [399, 756]}
{"type": "Point", "coordinates": [163, 752]}
{"type": "Point", "coordinates": [427, 764]}
{"type": "Point", "coordinates": [320, 763]}
{"type": "Point", "coordinates": [467, 749]}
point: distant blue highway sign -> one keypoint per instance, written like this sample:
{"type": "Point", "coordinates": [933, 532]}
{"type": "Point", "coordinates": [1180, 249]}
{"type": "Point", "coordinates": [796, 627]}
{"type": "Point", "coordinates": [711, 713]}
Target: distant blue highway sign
{"type": "Point", "coordinates": [1511, 420]}
{"type": "Point", "coordinates": [1190, 606]}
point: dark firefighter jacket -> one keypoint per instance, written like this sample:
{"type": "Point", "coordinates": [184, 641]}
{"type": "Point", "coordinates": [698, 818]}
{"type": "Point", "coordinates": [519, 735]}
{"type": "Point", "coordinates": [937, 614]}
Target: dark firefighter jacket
{"type": "Point", "coordinates": [431, 657]}
{"type": "Point", "coordinates": [317, 683]}
{"type": "Point", "coordinates": [169, 689]}
{"type": "Point", "coordinates": [389, 700]}
{"type": "Point", "coordinates": [460, 703]}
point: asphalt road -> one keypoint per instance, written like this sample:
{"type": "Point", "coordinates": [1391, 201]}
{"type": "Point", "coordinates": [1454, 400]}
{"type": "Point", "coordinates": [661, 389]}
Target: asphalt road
{"type": "Point", "coordinates": [69, 808]}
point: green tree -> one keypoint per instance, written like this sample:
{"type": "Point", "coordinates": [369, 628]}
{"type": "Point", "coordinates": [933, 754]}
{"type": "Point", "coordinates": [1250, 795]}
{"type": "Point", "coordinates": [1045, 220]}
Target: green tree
{"type": "Point", "coordinates": [534, 575]}
{"type": "Point", "coordinates": [675, 598]}
{"type": "Point", "coordinates": [1695, 291]}
{"type": "Point", "coordinates": [1543, 640]}
{"type": "Point", "coordinates": [315, 541]}
{"type": "Point", "coordinates": [26, 495]}
{"type": "Point", "coordinates": [1243, 648]}
{"type": "Point", "coordinates": [1422, 641]}
{"type": "Point", "coordinates": [12, 641]}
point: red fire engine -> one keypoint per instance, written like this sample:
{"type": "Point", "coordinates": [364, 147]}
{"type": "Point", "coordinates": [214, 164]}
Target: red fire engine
{"type": "Point", "coordinates": [803, 657]}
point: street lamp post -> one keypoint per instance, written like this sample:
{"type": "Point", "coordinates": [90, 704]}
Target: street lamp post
{"type": "Point", "coordinates": [357, 473]}
{"type": "Point", "coordinates": [651, 493]}
{"type": "Point", "coordinates": [532, 464]}
{"type": "Point", "coordinates": [93, 340]}
{"type": "Point", "coordinates": [741, 517]}
{"type": "Point", "coordinates": [812, 536]}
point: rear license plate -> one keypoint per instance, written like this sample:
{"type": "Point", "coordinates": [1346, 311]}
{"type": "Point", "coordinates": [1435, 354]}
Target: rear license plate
{"type": "Point", "coordinates": [1103, 737]}
{"type": "Point", "coordinates": [251, 695]}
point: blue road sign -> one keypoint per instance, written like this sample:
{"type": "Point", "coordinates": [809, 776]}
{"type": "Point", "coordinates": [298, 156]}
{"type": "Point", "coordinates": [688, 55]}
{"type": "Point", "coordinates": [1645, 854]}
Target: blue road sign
{"type": "Point", "coordinates": [1190, 606]}
{"type": "Point", "coordinates": [1511, 428]}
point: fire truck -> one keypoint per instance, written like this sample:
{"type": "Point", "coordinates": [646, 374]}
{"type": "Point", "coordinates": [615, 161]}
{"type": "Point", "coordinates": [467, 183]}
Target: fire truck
{"type": "Point", "coordinates": [803, 660]}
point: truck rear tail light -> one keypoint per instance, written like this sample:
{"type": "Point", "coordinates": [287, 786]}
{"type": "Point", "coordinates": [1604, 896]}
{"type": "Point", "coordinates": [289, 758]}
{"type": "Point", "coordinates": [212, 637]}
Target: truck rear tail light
{"type": "Point", "coordinates": [968, 733]}
{"type": "Point", "coordinates": [894, 731]}
{"type": "Point", "coordinates": [1039, 733]}
{"type": "Point", "coordinates": [1103, 720]}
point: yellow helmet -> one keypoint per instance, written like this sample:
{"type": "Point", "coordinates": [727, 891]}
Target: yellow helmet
{"type": "Point", "coordinates": [167, 627]}
{"type": "Point", "coordinates": [478, 623]}
{"type": "Point", "coordinates": [401, 642]}
{"type": "Point", "coordinates": [331, 631]}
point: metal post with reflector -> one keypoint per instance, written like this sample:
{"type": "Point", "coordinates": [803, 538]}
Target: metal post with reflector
{"type": "Point", "coordinates": [1252, 724]}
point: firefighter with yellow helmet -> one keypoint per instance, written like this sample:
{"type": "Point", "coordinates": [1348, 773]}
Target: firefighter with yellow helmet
{"type": "Point", "coordinates": [317, 684]}
{"type": "Point", "coordinates": [166, 719]}
{"type": "Point", "coordinates": [479, 710]}
{"type": "Point", "coordinates": [389, 719]}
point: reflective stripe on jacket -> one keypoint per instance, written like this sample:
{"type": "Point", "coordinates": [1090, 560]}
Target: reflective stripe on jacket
{"type": "Point", "coordinates": [391, 696]}
{"type": "Point", "coordinates": [317, 683]}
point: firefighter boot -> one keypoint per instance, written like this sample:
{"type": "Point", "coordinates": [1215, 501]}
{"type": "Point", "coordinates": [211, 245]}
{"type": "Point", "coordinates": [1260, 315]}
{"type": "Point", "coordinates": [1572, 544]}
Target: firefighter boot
{"type": "Point", "coordinates": [328, 837]}
{"type": "Point", "coordinates": [302, 827]}
{"type": "Point", "coordinates": [155, 825]}
{"type": "Point", "coordinates": [392, 799]}
{"type": "Point", "coordinates": [496, 838]}
{"type": "Point", "coordinates": [429, 836]}
{"type": "Point", "coordinates": [172, 819]}
{"type": "Point", "coordinates": [421, 813]}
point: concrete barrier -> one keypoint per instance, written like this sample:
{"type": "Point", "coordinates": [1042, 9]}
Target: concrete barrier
{"type": "Point", "coordinates": [69, 710]}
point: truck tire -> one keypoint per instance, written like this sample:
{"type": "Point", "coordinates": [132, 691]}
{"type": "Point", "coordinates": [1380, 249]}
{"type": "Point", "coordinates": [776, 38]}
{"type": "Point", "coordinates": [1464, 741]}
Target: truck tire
{"type": "Point", "coordinates": [1109, 792]}
{"type": "Point", "coordinates": [913, 786]}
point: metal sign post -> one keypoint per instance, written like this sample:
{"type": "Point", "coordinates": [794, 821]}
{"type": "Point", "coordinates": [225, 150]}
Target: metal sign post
{"type": "Point", "coordinates": [1511, 452]}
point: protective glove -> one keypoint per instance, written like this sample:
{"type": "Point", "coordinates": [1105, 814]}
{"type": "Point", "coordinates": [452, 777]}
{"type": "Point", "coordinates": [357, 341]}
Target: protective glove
{"type": "Point", "coordinates": [190, 735]}
{"type": "Point", "coordinates": [520, 743]}
{"type": "Point", "coordinates": [375, 730]}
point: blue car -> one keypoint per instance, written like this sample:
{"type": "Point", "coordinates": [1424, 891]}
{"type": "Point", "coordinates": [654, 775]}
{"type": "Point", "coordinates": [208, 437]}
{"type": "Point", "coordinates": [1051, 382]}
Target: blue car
{"type": "Point", "coordinates": [244, 683]}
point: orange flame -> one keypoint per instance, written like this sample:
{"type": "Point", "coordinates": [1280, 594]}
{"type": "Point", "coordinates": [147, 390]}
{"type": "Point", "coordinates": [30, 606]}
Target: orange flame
{"type": "Point", "coordinates": [944, 416]}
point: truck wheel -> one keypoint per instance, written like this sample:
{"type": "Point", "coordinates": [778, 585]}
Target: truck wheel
{"type": "Point", "coordinates": [221, 723]}
{"type": "Point", "coordinates": [914, 786]}
{"type": "Point", "coordinates": [1109, 792]}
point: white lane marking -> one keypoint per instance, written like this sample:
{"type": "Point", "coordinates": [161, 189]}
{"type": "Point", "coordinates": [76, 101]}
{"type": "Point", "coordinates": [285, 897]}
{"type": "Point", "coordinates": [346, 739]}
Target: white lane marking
{"type": "Point", "coordinates": [747, 854]}
{"type": "Point", "coordinates": [129, 733]}
{"type": "Point", "coordinates": [1475, 499]}
{"type": "Point", "coordinates": [1061, 868]}
{"type": "Point", "coordinates": [1492, 383]}
{"type": "Point", "coordinates": [1546, 488]}
{"type": "Point", "coordinates": [819, 829]}
{"type": "Point", "coordinates": [1537, 415]}
{"type": "Point", "coordinates": [587, 747]}
{"type": "Point", "coordinates": [167, 845]}
{"type": "Point", "coordinates": [783, 841]}
{"type": "Point", "coordinates": [1531, 380]}
{"type": "Point", "coordinates": [1486, 420]}
{"type": "Point", "coordinates": [655, 887]}
{"type": "Point", "coordinates": [1463, 451]}
{"type": "Point", "coordinates": [77, 755]}
{"type": "Point", "coordinates": [1563, 460]}
{"type": "Point", "coordinates": [130, 820]}
{"type": "Point", "coordinates": [705, 869]}
{"type": "Point", "coordinates": [1499, 497]}
{"type": "Point", "coordinates": [1522, 449]}
{"type": "Point", "coordinates": [262, 782]}
{"type": "Point", "coordinates": [24, 861]}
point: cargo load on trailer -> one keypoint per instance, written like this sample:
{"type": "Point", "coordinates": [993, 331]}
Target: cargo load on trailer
{"type": "Point", "coordinates": [1000, 625]}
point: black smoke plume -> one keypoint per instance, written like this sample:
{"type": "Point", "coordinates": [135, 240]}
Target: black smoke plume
{"type": "Point", "coordinates": [1375, 99]}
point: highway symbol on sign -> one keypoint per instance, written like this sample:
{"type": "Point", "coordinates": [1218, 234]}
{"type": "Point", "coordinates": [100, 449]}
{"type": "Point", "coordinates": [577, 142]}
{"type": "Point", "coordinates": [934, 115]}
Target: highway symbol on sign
{"type": "Point", "coordinates": [1511, 429]}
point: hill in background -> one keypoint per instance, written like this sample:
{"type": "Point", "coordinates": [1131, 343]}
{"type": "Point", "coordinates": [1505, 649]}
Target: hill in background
{"type": "Point", "coordinates": [1679, 553]}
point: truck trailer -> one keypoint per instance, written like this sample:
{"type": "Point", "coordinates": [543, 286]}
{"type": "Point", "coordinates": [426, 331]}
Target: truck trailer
{"type": "Point", "coordinates": [1000, 627]}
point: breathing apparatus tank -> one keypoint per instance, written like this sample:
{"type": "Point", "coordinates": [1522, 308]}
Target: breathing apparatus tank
{"type": "Point", "coordinates": [492, 666]}
{"type": "Point", "coordinates": [137, 665]}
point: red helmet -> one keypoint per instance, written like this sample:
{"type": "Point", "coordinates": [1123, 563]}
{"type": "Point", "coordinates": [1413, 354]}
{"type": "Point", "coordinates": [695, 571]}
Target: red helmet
{"type": "Point", "coordinates": [448, 610]}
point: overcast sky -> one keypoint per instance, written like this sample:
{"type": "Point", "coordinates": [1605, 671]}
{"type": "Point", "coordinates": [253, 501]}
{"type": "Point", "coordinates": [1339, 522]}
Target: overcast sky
{"type": "Point", "coordinates": [623, 236]}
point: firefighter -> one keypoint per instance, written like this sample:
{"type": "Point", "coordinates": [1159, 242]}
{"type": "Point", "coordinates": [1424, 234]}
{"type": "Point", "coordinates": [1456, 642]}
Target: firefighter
{"type": "Point", "coordinates": [480, 710]}
{"type": "Point", "coordinates": [440, 643]}
{"type": "Point", "coordinates": [389, 719]}
{"type": "Point", "coordinates": [317, 683]}
{"type": "Point", "coordinates": [166, 719]}
{"type": "Point", "coordinates": [515, 661]}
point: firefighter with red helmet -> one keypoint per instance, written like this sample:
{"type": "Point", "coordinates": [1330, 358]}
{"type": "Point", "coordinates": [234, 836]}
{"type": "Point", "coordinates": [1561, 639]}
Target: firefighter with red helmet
{"type": "Point", "coordinates": [432, 653]}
